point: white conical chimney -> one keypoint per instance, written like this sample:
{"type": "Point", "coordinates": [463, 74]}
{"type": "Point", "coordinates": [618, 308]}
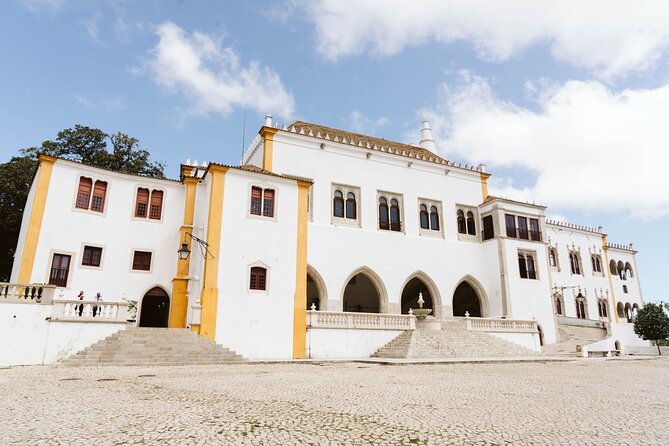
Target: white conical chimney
{"type": "Point", "coordinates": [426, 140]}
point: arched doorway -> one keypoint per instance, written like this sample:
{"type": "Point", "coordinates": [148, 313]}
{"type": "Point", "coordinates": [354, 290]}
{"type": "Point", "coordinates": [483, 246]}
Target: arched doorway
{"type": "Point", "coordinates": [155, 309]}
{"type": "Point", "coordinates": [361, 295]}
{"type": "Point", "coordinates": [313, 299]}
{"type": "Point", "coordinates": [410, 295]}
{"type": "Point", "coordinates": [466, 300]}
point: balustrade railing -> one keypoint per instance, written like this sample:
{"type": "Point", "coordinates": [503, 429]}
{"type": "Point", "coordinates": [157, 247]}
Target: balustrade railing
{"type": "Point", "coordinates": [28, 294]}
{"type": "Point", "coordinates": [336, 319]}
{"type": "Point", "coordinates": [89, 311]}
{"type": "Point", "coordinates": [501, 325]}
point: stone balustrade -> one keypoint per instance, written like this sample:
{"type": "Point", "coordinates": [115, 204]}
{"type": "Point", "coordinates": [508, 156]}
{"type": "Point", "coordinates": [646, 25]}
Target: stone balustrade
{"type": "Point", "coordinates": [74, 310]}
{"type": "Point", "coordinates": [17, 293]}
{"type": "Point", "coordinates": [377, 321]}
{"type": "Point", "coordinates": [501, 325]}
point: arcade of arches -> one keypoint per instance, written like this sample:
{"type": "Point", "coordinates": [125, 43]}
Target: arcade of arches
{"type": "Point", "coordinates": [361, 295]}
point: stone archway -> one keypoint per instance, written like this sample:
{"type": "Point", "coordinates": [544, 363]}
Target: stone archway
{"type": "Point", "coordinates": [154, 310]}
{"type": "Point", "coordinates": [362, 295]}
{"type": "Point", "coordinates": [467, 300]}
{"type": "Point", "coordinates": [419, 283]}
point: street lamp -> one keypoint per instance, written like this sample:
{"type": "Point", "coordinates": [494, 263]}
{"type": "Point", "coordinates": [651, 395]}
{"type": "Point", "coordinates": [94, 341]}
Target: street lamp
{"type": "Point", "coordinates": [184, 252]}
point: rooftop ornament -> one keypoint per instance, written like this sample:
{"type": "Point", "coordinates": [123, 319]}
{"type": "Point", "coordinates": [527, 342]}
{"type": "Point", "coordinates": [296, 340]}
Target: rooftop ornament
{"type": "Point", "coordinates": [420, 312]}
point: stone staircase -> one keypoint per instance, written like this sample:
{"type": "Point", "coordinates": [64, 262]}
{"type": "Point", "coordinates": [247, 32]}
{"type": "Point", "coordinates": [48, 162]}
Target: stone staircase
{"type": "Point", "coordinates": [153, 346]}
{"type": "Point", "coordinates": [452, 341]}
{"type": "Point", "coordinates": [570, 336]}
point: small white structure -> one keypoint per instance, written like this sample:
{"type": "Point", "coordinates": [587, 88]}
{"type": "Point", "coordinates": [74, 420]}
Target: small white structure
{"type": "Point", "coordinates": [352, 227]}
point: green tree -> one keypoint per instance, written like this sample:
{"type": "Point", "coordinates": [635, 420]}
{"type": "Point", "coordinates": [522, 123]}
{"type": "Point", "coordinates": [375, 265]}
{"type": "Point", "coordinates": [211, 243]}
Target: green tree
{"type": "Point", "coordinates": [652, 324]}
{"type": "Point", "coordinates": [91, 146]}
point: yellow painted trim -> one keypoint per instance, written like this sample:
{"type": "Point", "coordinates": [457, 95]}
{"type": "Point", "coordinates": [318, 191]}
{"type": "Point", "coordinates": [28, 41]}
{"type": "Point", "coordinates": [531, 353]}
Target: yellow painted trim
{"type": "Point", "coordinates": [484, 185]}
{"type": "Point", "coordinates": [300, 304]}
{"type": "Point", "coordinates": [209, 296]}
{"type": "Point", "coordinates": [36, 216]}
{"type": "Point", "coordinates": [608, 273]}
{"type": "Point", "coordinates": [267, 134]}
{"type": "Point", "coordinates": [179, 304]}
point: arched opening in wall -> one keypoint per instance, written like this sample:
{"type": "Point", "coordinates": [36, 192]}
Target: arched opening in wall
{"type": "Point", "coordinates": [628, 270]}
{"type": "Point", "coordinates": [620, 309]}
{"type": "Point", "coordinates": [628, 312]}
{"type": "Point", "coordinates": [466, 301]}
{"type": "Point", "coordinates": [635, 311]}
{"type": "Point", "coordinates": [155, 308]}
{"type": "Point", "coordinates": [541, 335]}
{"type": "Point", "coordinates": [313, 299]}
{"type": "Point", "coordinates": [613, 268]}
{"type": "Point", "coordinates": [617, 345]}
{"type": "Point", "coordinates": [361, 295]}
{"type": "Point", "coordinates": [410, 295]}
{"type": "Point", "coordinates": [621, 270]}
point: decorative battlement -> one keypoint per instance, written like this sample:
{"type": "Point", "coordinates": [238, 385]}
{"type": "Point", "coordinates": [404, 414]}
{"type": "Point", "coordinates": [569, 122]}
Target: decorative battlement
{"type": "Point", "coordinates": [564, 224]}
{"type": "Point", "coordinates": [629, 247]}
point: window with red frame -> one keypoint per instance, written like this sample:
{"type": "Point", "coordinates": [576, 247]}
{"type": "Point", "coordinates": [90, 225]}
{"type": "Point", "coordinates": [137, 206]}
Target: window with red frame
{"type": "Point", "coordinates": [258, 279]}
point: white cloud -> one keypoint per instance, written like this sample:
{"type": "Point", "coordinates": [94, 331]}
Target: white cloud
{"type": "Point", "coordinates": [362, 124]}
{"type": "Point", "coordinates": [588, 148]}
{"type": "Point", "coordinates": [100, 102]}
{"type": "Point", "coordinates": [211, 76]}
{"type": "Point", "coordinates": [609, 38]}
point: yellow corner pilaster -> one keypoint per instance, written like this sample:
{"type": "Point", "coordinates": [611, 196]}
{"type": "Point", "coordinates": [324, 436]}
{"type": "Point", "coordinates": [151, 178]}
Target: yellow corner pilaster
{"type": "Point", "coordinates": [209, 296]}
{"type": "Point", "coordinates": [36, 216]}
{"type": "Point", "coordinates": [484, 184]}
{"type": "Point", "coordinates": [300, 304]}
{"type": "Point", "coordinates": [267, 134]}
{"type": "Point", "coordinates": [614, 309]}
{"type": "Point", "coordinates": [179, 305]}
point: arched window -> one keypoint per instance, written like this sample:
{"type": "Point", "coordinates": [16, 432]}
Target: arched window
{"type": "Point", "coordinates": [552, 257]}
{"type": "Point", "coordinates": [558, 305]}
{"type": "Point", "coordinates": [620, 310]}
{"type": "Point", "coordinates": [351, 206]}
{"type": "Point", "coordinates": [574, 263]}
{"type": "Point", "coordinates": [522, 266]}
{"type": "Point", "coordinates": [613, 268]}
{"type": "Point", "coordinates": [99, 193]}
{"type": "Point", "coordinates": [156, 209]}
{"type": "Point", "coordinates": [621, 270]}
{"type": "Point", "coordinates": [395, 224]}
{"type": "Point", "coordinates": [628, 270]}
{"type": "Point", "coordinates": [383, 214]}
{"type": "Point", "coordinates": [434, 218]}
{"type": "Point", "coordinates": [471, 225]}
{"type": "Point", "coordinates": [258, 278]}
{"type": "Point", "coordinates": [338, 204]}
{"type": "Point", "coordinates": [462, 224]}
{"type": "Point", "coordinates": [84, 193]}
{"type": "Point", "coordinates": [605, 312]}
{"type": "Point", "coordinates": [580, 307]}
{"type": "Point", "coordinates": [424, 217]}
{"type": "Point", "coordinates": [531, 270]}
{"type": "Point", "coordinates": [142, 205]}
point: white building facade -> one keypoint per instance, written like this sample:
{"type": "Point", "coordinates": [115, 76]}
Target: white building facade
{"type": "Point", "coordinates": [314, 247]}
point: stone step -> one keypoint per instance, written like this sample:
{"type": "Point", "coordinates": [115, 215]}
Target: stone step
{"type": "Point", "coordinates": [154, 346]}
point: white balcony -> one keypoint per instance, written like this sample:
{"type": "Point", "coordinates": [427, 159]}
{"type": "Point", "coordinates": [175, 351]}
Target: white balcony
{"type": "Point", "coordinates": [17, 293]}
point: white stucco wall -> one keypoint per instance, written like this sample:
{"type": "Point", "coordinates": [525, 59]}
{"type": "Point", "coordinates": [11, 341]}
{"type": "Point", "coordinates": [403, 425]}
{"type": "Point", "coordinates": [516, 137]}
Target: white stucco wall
{"type": "Point", "coordinates": [66, 229]}
{"type": "Point", "coordinates": [257, 324]}
{"type": "Point", "coordinates": [527, 340]}
{"type": "Point", "coordinates": [23, 333]}
{"type": "Point", "coordinates": [67, 338]}
{"type": "Point", "coordinates": [336, 343]}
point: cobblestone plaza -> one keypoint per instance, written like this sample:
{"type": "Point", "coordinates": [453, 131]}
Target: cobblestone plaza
{"type": "Point", "coordinates": [580, 402]}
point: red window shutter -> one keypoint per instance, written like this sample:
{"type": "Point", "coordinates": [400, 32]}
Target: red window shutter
{"type": "Point", "coordinates": [84, 193]}
{"type": "Point", "coordinates": [156, 205]}
{"type": "Point", "coordinates": [258, 278]}
{"type": "Point", "coordinates": [142, 206]}
{"type": "Point", "coordinates": [268, 203]}
{"type": "Point", "coordinates": [256, 201]}
{"type": "Point", "coordinates": [99, 193]}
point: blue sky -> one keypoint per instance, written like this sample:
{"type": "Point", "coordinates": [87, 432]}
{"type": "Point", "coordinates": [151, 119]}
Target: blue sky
{"type": "Point", "coordinates": [567, 106]}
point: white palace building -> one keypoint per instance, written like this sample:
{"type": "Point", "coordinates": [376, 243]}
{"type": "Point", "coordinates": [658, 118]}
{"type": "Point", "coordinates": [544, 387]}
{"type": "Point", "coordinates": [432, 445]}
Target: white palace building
{"type": "Point", "coordinates": [317, 246]}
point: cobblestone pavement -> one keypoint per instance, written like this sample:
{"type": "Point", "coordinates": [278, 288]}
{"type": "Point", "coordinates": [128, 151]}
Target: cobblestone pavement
{"type": "Point", "coordinates": [583, 402]}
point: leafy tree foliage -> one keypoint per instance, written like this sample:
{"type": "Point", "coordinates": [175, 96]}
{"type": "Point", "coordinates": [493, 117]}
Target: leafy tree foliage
{"type": "Point", "coordinates": [91, 146]}
{"type": "Point", "coordinates": [652, 324]}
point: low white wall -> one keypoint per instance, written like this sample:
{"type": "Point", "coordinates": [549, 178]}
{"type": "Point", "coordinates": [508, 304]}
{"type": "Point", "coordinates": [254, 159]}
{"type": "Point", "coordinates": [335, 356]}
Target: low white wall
{"type": "Point", "coordinates": [23, 333]}
{"type": "Point", "coordinates": [28, 338]}
{"type": "Point", "coordinates": [527, 340]}
{"type": "Point", "coordinates": [338, 343]}
{"type": "Point", "coordinates": [67, 338]}
{"type": "Point", "coordinates": [624, 333]}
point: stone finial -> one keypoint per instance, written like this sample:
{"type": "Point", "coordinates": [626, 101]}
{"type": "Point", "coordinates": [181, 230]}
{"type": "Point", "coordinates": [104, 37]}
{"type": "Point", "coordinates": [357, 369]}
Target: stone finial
{"type": "Point", "coordinates": [188, 160]}
{"type": "Point", "coordinates": [421, 301]}
{"type": "Point", "coordinates": [426, 140]}
{"type": "Point", "coordinates": [313, 307]}
{"type": "Point", "coordinates": [268, 120]}
{"type": "Point", "coordinates": [410, 311]}
{"type": "Point", "coordinates": [466, 313]}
